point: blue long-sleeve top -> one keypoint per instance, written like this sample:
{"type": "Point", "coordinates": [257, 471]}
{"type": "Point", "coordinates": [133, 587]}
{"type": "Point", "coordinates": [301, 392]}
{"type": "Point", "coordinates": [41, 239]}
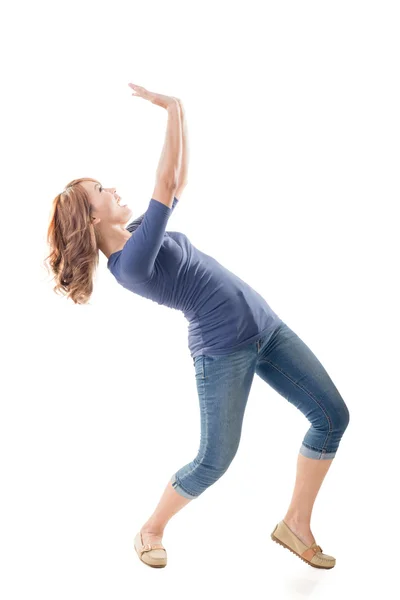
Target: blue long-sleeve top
{"type": "Point", "coordinates": [224, 312]}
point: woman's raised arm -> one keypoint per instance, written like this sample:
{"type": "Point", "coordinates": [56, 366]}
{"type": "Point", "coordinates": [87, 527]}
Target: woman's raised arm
{"type": "Point", "coordinates": [169, 165]}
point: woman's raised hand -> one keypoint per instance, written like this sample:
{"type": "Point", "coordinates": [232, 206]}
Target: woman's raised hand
{"type": "Point", "coordinates": [159, 99]}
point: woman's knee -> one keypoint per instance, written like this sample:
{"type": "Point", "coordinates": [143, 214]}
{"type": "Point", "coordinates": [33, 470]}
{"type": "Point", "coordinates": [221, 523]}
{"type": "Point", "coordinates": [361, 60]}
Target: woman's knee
{"type": "Point", "coordinates": [216, 468]}
{"type": "Point", "coordinates": [205, 470]}
{"type": "Point", "coordinates": [343, 416]}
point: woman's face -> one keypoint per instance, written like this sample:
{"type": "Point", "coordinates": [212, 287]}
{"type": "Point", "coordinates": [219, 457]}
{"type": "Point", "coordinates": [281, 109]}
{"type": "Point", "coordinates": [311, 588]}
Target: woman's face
{"type": "Point", "coordinates": [106, 203]}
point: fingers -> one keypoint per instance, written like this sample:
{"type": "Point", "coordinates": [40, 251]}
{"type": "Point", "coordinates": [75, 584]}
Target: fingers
{"type": "Point", "coordinates": [138, 90]}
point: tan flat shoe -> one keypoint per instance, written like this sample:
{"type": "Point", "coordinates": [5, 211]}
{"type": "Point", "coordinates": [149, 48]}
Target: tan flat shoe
{"type": "Point", "coordinates": [312, 555]}
{"type": "Point", "coordinates": [153, 555]}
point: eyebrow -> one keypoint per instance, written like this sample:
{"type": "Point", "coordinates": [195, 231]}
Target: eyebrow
{"type": "Point", "coordinates": [96, 184]}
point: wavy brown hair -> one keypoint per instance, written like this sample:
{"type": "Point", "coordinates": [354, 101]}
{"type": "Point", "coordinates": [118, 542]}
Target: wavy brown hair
{"type": "Point", "coordinates": [73, 243]}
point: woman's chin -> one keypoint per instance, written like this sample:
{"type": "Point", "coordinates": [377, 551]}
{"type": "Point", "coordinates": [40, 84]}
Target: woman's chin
{"type": "Point", "coordinates": [127, 214]}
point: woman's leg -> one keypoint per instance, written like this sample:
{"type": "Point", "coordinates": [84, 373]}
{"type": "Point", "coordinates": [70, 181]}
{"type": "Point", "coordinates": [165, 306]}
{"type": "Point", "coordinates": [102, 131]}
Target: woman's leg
{"type": "Point", "coordinates": [170, 503]}
{"type": "Point", "coordinates": [309, 477]}
{"type": "Point", "coordinates": [223, 386]}
{"type": "Point", "coordinates": [288, 365]}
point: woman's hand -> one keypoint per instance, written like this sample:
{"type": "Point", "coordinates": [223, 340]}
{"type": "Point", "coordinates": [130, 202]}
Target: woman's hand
{"type": "Point", "coordinates": [159, 99]}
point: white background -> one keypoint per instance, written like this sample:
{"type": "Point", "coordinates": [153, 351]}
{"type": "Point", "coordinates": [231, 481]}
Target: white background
{"type": "Point", "coordinates": [293, 120]}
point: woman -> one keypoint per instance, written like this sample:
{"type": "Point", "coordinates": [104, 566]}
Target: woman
{"type": "Point", "coordinates": [233, 334]}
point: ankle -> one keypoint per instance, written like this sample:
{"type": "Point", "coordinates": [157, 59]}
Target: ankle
{"type": "Point", "coordinates": [153, 528]}
{"type": "Point", "coordinates": [298, 520]}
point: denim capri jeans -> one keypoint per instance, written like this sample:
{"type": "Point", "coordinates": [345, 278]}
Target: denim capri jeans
{"type": "Point", "coordinates": [223, 382]}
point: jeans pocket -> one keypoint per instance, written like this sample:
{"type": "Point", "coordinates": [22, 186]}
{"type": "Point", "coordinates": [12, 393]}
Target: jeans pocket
{"type": "Point", "coordinates": [198, 362]}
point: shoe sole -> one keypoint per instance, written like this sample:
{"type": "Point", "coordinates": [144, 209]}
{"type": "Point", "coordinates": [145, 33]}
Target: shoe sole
{"type": "Point", "coordinates": [275, 539]}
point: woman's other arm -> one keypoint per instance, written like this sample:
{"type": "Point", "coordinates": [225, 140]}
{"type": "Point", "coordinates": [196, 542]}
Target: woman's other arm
{"type": "Point", "coordinates": [183, 173]}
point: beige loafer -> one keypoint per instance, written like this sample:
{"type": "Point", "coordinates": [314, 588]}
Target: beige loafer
{"type": "Point", "coordinates": [153, 555]}
{"type": "Point", "coordinates": [312, 555]}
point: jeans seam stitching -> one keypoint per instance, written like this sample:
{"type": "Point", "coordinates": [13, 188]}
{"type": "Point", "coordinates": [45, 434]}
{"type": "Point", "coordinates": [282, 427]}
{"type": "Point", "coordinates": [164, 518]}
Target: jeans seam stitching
{"type": "Point", "coordinates": [199, 455]}
{"type": "Point", "coordinates": [179, 483]}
